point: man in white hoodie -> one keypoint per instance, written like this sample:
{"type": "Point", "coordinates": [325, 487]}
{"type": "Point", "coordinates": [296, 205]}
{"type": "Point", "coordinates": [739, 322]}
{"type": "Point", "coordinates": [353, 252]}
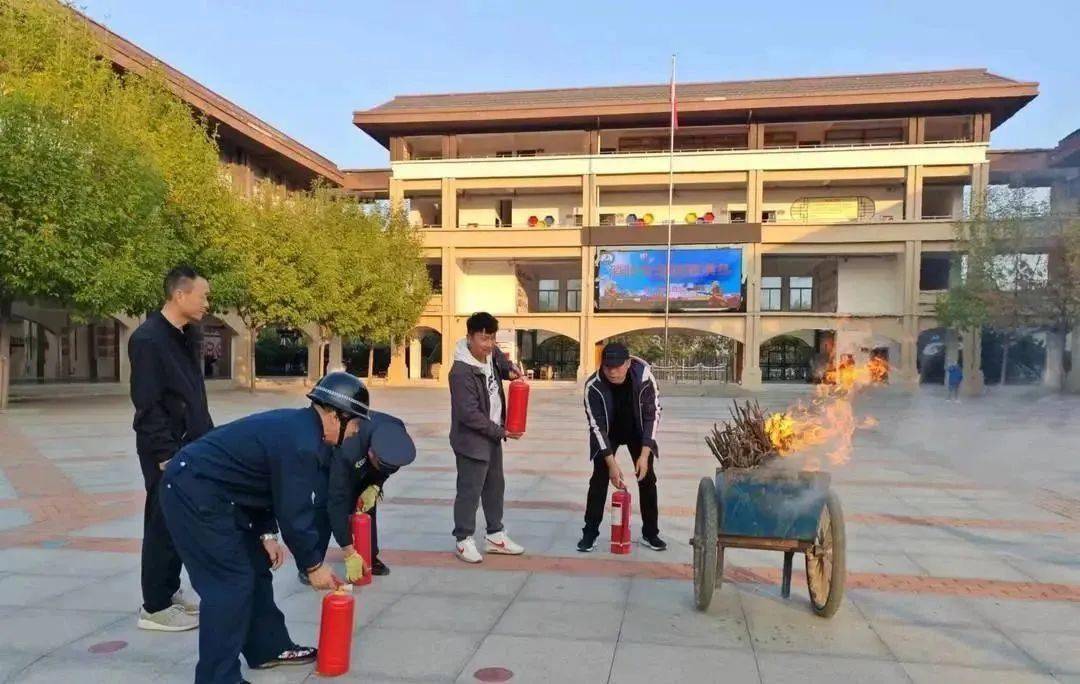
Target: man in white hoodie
{"type": "Point", "coordinates": [477, 417]}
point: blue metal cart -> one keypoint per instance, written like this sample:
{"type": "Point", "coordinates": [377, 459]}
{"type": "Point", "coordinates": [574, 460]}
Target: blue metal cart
{"type": "Point", "coordinates": [773, 510]}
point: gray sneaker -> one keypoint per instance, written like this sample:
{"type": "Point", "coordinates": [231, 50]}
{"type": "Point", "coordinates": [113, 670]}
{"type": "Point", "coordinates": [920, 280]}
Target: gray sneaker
{"type": "Point", "coordinates": [190, 607]}
{"type": "Point", "coordinates": [172, 619]}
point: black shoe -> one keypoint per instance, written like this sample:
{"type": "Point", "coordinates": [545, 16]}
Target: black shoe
{"type": "Point", "coordinates": [297, 655]}
{"type": "Point", "coordinates": [379, 569]}
{"type": "Point", "coordinates": [302, 576]}
{"type": "Point", "coordinates": [654, 542]}
{"type": "Point", "coordinates": [587, 543]}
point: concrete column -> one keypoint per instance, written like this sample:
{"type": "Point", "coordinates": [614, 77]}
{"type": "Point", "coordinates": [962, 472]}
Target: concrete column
{"type": "Point", "coordinates": [980, 180]}
{"type": "Point", "coordinates": [397, 195]}
{"type": "Point", "coordinates": [592, 142]}
{"type": "Point", "coordinates": [395, 374]}
{"type": "Point", "coordinates": [416, 363]}
{"type": "Point", "coordinates": [974, 384]}
{"type": "Point", "coordinates": [590, 210]}
{"type": "Point", "coordinates": [916, 130]}
{"type": "Point", "coordinates": [399, 151]}
{"type": "Point", "coordinates": [755, 136]}
{"type": "Point", "coordinates": [586, 358]}
{"type": "Point", "coordinates": [908, 374]}
{"type": "Point", "coordinates": [1055, 360]}
{"type": "Point", "coordinates": [126, 327]}
{"type": "Point", "coordinates": [449, 340]}
{"type": "Point", "coordinates": [913, 192]}
{"type": "Point", "coordinates": [5, 363]}
{"type": "Point", "coordinates": [751, 365]}
{"type": "Point", "coordinates": [449, 203]}
{"type": "Point", "coordinates": [449, 147]}
{"type": "Point", "coordinates": [337, 354]}
{"type": "Point", "coordinates": [754, 196]}
{"type": "Point", "coordinates": [1072, 380]}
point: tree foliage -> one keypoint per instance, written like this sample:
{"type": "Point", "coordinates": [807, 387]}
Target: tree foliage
{"type": "Point", "coordinates": [108, 179]}
{"type": "Point", "coordinates": [1020, 270]}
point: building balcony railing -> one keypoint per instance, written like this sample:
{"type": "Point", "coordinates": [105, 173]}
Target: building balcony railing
{"type": "Point", "coordinates": [863, 155]}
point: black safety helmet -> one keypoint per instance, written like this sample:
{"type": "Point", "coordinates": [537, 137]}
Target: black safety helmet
{"type": "Point", "coordinates": [343, 393]}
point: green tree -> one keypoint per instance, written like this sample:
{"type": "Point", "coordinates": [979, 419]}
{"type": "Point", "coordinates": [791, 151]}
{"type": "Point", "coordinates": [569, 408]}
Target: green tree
{"type": "Point", "coordinates": [107, 180]}
{"type": "Point", "coordinates": [1020, 272]}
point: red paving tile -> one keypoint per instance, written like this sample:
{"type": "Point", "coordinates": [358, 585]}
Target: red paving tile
{"type": "Point", "coordinates": [599, 566]}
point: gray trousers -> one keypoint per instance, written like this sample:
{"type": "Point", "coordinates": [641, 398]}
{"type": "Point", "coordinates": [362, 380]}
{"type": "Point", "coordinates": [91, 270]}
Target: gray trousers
{"type": "Point", "coordinates": [479, 481]}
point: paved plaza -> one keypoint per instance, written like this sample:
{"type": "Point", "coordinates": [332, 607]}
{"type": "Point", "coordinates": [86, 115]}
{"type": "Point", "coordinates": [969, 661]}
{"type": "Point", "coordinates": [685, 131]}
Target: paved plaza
{"type": "Point", "coordinates": [963, 525]}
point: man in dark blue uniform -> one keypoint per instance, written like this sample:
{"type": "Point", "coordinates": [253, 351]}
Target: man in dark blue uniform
{"type": "Point", "coordinates": [358, 471]}
{"type": "Point", "coordinates": [224, 497]}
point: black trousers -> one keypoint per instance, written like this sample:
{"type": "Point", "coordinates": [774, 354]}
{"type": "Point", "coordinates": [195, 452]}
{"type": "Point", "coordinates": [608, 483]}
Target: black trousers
{"type": "Point", "coordinates": [160, 561]}
{"type": "Point", "coordinates": [231, 571]}
{"type": "Point", "coordinates": [598, 487]}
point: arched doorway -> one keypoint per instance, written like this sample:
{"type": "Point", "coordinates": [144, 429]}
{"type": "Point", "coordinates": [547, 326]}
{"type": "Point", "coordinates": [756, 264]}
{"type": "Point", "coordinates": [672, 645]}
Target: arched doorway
{"type": "Point", "coordinates": [281, 351]}
{"type": "Point", "coordinates": [786, 358]}
{"type": "Point", "coordinates": [365, 359]}
{"type": "Point", "coordinates": [693, 356]}
{"type": "Point", "coordinates": [217, 341]}
{"type": "Point", "coordinates": [48, 344]}
{"type": "Point", "coordinates": [547, 355]}
{"type": "Point", "coordinates": [423, 354]}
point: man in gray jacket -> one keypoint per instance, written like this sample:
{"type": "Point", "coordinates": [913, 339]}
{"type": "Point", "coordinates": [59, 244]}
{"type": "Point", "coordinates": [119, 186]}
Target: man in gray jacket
{"type": "Point", "coordinates": [477, 419]}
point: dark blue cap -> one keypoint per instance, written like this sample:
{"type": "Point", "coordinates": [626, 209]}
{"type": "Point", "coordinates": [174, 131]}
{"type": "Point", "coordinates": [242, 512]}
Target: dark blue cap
{"type": "Point", "coordinates": [391, 441]}
{"type": "Point", "coordinates": [614, 354]}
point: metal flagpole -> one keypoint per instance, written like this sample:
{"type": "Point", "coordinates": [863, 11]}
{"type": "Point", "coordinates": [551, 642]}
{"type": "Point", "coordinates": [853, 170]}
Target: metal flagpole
{"type": "Point", "coordinates": [670, 218]}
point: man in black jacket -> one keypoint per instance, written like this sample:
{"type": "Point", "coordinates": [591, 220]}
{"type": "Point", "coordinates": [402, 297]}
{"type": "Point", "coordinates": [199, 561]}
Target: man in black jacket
{"type": "Point", "coordinates": [169, 395]}
{"type": "Point", "coordinates": [358, 471]}
{"type": "Point", "coordinates": [622, 407]}
{"type": "Point", "coordinates": [477, 419]}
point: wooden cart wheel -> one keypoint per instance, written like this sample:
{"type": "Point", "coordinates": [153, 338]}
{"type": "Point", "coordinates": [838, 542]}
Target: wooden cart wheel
{"type": "Point", "coordinates": [705, 543]}
{"type": "Point", "coordinates": [826, 562]}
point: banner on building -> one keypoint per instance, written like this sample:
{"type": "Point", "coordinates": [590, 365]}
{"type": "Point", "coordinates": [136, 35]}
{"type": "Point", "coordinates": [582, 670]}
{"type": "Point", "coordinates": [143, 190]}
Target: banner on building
{"type": "Point", "coordinates": [702, 279]}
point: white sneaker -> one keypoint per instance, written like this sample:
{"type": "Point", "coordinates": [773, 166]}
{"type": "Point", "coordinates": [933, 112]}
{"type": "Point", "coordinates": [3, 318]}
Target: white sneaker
{"type": "Point", "coordinates": [466, 551]}
{"type": "Point", "coordinates": [190, 607]}
{"type": "Point", "coordinates": [171, 619]}
{"type": "Point", "coordinates": [500, 543]}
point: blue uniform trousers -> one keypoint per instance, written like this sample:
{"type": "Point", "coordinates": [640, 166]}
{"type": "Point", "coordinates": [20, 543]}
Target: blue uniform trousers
{"type": "Point", "coordinates": [231, 572]}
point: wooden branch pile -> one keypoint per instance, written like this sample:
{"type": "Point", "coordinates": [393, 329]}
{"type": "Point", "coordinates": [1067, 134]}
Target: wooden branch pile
{"type": "Point", "coordinates": [742, 442]}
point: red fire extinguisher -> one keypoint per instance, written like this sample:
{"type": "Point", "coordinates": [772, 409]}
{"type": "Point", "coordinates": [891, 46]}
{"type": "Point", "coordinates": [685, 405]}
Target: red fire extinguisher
{"type": "Point", "coordinates": [335, 633]}
{"type": "Point", "coordinates": [517, 406]}
{"type": "Point", "coordinates": [360, 524]}
{"type": "Point", "coordinates": [620, 521]}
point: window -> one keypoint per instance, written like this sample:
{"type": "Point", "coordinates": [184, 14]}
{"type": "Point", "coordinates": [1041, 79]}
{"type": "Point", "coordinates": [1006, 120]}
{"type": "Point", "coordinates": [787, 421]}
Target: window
{"type": "Point", "coordinates": [844, 136]}
{"type": "Point", "coordinates": [506, 212]}
{"type": "Point", "coordinates": [434, 272]}
{"type": "Point", "coordinates": [780, 138]}
{"type": "Point", "coordinates": [548, 299]}
{"type": "Point", "coordinates": [768, 216]}
{"type": "Point", "coordinates": [771, 287]}
{"type": "Point", "coordinates": [801, 295]}
{"type": "Point", "coordinates": [573, 294]}
{"type": "Point", "coordinates": [934, 271]}
{"type": "Point", "coordinates": [737, 217]}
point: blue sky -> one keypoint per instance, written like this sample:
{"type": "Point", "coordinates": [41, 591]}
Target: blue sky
{"type": "Point", "coordinates": [306, 65]}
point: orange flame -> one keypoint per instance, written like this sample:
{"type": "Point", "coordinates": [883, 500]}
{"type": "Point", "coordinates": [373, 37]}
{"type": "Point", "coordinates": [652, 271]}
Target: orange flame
{"type": "Point", "coordinates": [828, 421]}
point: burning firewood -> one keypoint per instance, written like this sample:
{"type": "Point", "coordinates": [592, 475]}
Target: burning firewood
{"type": "Point", "coordinates": [750, 438]}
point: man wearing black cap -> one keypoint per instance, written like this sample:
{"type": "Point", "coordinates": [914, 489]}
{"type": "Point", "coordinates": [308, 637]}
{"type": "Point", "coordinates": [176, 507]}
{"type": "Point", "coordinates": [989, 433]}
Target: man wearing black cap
{"type": "Point", "coordinates": [622, 407]}
{"type": "Point", "coordinates": [358, 471]}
